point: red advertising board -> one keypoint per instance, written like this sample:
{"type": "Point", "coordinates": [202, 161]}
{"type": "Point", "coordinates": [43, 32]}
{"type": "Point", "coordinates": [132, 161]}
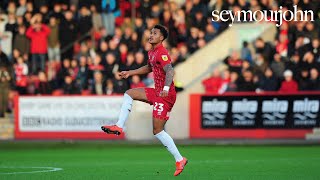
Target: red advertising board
{"type": "Point", "coordinates": [255, 116]}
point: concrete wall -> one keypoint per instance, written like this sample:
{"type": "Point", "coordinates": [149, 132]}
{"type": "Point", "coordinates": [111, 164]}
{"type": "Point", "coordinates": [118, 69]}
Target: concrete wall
{"type": "Point", "coordinates": [190, 73]}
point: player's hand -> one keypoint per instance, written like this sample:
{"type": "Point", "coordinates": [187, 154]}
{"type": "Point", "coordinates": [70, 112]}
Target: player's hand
{"type": "Point", "coordinates": [163, 93]}
{"type": "Point", "coordinates": [124, 74]}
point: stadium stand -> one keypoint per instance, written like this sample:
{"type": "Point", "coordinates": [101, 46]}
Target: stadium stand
{"type": "Point", "coordinates": [61, 46]}
{"type": "Point", "coordinates": [79, 39]}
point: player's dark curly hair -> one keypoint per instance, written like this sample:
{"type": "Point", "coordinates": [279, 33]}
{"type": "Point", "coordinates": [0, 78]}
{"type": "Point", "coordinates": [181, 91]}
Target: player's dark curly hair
{"type": "Point", "coordinates": [163, 30]}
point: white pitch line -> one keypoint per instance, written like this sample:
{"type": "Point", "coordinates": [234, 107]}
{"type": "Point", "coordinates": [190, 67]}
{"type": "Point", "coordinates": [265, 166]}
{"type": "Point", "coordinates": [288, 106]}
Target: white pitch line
{"type": "Point", "coordinates": [47, 169]}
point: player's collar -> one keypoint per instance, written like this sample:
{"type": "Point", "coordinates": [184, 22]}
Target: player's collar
{"type": "Point", "coordinates": [158, 46]}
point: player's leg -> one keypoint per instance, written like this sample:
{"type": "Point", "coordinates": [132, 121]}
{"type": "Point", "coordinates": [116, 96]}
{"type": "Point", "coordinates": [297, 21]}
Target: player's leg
{"type": "Point", "coordinates": [130, 95]}
{"type": "Point", "coordinates": [167, 141]}
{"type": "Point", "coordinates": [164, 137]}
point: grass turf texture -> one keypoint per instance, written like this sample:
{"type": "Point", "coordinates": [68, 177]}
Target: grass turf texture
{"type": "Point", "coordinates": [100, 160]}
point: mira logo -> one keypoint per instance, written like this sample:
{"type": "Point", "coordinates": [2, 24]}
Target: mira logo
{"type": "Point", "coordinates": [275, 105]}
{"type": "Point", "coordinates": [305, 112]}
{"type": "Point", "coordinates": [244, 112]}
{"type": "Point", "coordinates": [244, 106]}
{"type": "Point", "coordinates": [306, 105]}
{"type": "Point", "coordinates": [274, 112]}
{"type": "Point", "coordinates": [214, 106]}
{"type": "Point", "coordinates": [214, 113]}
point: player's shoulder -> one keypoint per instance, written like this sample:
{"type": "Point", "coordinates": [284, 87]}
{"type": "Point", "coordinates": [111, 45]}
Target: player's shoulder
{"type": "Point", "coordinates": [163, 50]}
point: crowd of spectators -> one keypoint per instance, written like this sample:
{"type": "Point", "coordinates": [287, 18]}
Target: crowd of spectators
{"type": "Point", "coordinates": [290, 63]}
{"type": "Point", "coordinates": [74, 47]}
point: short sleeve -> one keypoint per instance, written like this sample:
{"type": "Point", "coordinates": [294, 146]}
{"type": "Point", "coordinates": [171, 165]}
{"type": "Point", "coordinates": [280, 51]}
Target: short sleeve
{"type": "Point", "coordinates": [164, 58]}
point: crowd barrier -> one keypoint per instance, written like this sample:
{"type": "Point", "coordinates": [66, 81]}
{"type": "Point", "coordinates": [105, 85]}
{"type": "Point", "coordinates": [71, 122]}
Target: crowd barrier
{"type": "Point", "coordinates": [251, 115]}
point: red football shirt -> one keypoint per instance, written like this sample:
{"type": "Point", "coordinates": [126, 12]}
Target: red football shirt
{"type": "Point", "coordinates": [158, 58]}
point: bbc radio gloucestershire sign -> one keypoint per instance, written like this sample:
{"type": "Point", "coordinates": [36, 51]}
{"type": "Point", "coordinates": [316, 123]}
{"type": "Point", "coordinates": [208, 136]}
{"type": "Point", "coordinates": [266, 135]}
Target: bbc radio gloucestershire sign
{"type": "Point", "coordinates": [272, 111]}
{"type": "Point", "coordinates": [65, 116]}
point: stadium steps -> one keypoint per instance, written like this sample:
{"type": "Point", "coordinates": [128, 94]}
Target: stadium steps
{"type": "Point", "coordinates": [7, 127]}
{"type": "Point", "coordinates": [315, 135]}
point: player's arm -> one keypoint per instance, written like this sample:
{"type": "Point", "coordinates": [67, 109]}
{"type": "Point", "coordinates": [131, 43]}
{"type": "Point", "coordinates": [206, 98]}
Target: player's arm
{"type": "Point", "coordinates": [168, 80]}
{"type": "Point", "coordinates": [142, 70]}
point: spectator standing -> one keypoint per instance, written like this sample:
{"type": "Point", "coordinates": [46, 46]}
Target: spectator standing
{"type": "Point", "coordinates": [5, 36]}
{"type": "Point", "coordinates": [67, 35]}
{"type": "Point", "coordinates": [96, 18]}
{"type": "Point", "coordinates": [85, 22]}
{"type": "Point", "coordinates": [44, 11]}
{"type": "Point", "coordinates": [282, 45]}
{"type": "Point", "coordinates": [4, 88]}
{"type": "Point", "coordinates": [264, 48]}
{"type": "Point", "coordinates": [53, 41]}
{"type": "Point", "coordinates": [21, 43]}
{"type": "Point", "coordinates": [245, 52]}
{"type": "Point", "coordinates": [12, 25]}
{"type": "Point", "coordinates": [57, 12]}
{"type": "Point", "coordinates": [109, 12]}
{"type": "Point", "coordinates": [22, 8]}
{"type": "Point", "coordinates": [38, 34]}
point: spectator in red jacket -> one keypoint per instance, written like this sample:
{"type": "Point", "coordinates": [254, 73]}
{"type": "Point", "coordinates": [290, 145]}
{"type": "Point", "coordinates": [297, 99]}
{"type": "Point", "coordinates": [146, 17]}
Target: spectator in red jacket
{"type": "Point", "coordinates": [136, 82]}
{"type": "Point", "coordinates": [289, 84]}
{"type": "Point", "coordinates": [213, 83]}
{"type": "Point", "coordinates": [38, 34]}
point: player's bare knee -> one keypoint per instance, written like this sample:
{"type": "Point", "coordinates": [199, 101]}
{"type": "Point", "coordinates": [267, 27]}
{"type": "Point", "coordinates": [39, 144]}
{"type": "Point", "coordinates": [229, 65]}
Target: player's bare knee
{"type": "Point", "coordinates": [130, 93]}
{"type": "Point", "coordinates": [157, 130]}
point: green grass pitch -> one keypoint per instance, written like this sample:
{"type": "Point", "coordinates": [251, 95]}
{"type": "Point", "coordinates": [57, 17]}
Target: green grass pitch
{"type": "Point", "coordinates": [99, 160]}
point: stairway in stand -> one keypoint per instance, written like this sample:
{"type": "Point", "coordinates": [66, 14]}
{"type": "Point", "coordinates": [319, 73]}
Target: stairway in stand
{"type": "Point", "coordinates": [7, 127]}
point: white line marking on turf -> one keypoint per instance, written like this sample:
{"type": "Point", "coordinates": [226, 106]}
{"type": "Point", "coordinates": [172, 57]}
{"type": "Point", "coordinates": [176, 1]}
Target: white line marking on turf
{"type": "Point", "coordinates": [46, 169]}
{"type": "Point", "coordinates": [195, 161]}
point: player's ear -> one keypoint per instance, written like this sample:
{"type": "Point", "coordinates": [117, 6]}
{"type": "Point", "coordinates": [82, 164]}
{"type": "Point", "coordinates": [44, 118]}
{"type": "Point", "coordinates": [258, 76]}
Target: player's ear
{"type": "Point", "coordinates": [161, 37]}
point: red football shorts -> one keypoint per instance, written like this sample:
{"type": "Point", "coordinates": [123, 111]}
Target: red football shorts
{"type": "Point", "coordinates": [161, 105]}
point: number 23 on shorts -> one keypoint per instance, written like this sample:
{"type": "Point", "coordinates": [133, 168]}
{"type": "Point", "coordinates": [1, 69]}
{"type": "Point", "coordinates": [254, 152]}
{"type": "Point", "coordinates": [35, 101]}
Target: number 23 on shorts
{"type": "Point", "coordinates": [158, 107]}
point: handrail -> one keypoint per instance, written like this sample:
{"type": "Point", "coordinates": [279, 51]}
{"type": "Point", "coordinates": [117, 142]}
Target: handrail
{"type": "Point", "coordinates": [70, 45]}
